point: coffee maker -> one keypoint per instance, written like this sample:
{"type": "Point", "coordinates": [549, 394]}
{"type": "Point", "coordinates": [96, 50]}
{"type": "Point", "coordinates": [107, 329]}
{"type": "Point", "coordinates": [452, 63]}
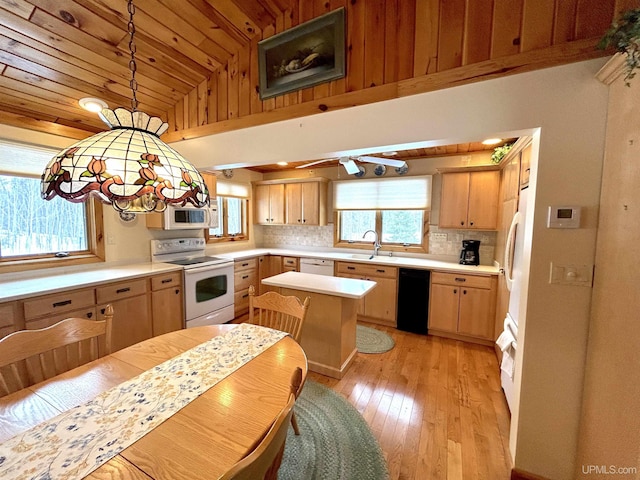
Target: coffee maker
{"type": "Point", "coordinates": [470, 253]}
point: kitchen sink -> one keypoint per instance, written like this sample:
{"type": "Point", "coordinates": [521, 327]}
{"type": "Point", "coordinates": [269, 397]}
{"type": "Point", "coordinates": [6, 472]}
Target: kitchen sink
{"type": "Point", "coordinates": [361, 256]}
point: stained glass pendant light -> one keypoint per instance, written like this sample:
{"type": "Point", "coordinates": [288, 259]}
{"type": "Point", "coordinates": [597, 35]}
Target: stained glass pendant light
{"type": "Point", "coordinates": [127, 166]}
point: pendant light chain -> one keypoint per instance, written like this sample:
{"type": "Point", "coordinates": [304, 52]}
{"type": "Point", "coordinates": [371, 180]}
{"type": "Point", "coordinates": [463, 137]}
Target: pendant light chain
{"type": "Point", "coordinates": [132, 62]}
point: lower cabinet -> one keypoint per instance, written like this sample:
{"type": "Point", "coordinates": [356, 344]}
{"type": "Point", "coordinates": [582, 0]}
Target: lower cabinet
{"type": "Point", "coordinates": [268, 266]}
{"type": "Point", "coordinates": [131, 311]}
{"type": "Point", "coordinates": [143, 307]}
{"type": "Point", "coordinates": [379, 306]}
{"type": "Point", "coordinates": [462, 306]}
{"type": "Point", "coordinates": [245, 274]}
{"type": "Point", "coordinates": [167, 303]}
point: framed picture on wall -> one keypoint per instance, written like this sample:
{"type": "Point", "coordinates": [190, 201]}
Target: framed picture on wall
{"type": "Point", "coordinates": [303, 56]}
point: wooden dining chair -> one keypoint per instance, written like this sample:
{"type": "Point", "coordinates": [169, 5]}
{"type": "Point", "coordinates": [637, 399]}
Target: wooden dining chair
{"type": "Point", "coordinates": [31, 356]}
{"type": "Point", "coordinates": [263, 462]}
{"type": "Point", "coordinates": [284, 313]}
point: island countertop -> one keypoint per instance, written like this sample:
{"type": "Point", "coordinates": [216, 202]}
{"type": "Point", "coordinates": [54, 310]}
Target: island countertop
{"type": "Point", "coordinates": [310, 282]}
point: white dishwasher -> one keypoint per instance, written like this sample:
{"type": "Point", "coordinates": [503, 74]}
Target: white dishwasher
{"type": "Point", "coordinates": [318, 266]}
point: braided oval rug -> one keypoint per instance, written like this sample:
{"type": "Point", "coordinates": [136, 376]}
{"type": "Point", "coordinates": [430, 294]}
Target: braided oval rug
{"type": "Point", "coordinates": [335, 442]}
{"type": "Point", "coordinates": [371, 340]}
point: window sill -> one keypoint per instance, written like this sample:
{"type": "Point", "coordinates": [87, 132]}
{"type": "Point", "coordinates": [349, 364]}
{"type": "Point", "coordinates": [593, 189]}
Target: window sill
{"type": "Point", "coordinates": [23, 265]}
{"type": "Point", "coordinates": [385, 248]}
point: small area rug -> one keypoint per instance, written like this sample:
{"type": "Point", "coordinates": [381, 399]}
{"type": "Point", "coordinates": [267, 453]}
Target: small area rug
{"type": "Point", "coordinates": [335, 442]}
{"type": "Point", "coordinates": [370, 340]}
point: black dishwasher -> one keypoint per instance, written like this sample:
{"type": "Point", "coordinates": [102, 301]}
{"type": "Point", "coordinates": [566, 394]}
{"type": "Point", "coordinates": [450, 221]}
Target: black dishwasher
{"type": "Point", "coordinates": [413, 300]}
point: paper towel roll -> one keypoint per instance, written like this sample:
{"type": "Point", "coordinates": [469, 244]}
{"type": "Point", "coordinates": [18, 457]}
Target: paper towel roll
{"type": "Point", "coordinates": [505, 340]}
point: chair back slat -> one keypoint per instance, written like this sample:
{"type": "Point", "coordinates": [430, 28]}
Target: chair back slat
{"type": "Point", "coordinates": [28, 357]}
{"type": "Point", "coordinates": [284, 313]}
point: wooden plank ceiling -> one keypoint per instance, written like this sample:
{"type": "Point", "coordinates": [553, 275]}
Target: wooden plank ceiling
{"type": "Point", "coordinates": [406, 155]}
{"type": "Point", "coordinates": [197, 59]}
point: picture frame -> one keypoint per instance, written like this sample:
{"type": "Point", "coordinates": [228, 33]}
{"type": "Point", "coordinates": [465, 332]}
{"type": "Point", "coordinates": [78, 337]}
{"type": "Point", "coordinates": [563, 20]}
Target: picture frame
{"type": "Point", "coordinates": [303, 56]}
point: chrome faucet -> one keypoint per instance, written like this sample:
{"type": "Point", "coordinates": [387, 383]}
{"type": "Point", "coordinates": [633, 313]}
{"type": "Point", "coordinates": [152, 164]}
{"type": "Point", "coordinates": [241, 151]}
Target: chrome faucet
{"type": "Point", "coordinates": [376, 243]}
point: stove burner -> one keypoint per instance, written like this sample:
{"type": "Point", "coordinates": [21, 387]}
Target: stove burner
{"type": "Point", "coordinates": [198, 260]}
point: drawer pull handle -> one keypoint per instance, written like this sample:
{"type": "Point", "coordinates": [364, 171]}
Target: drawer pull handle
{"type": "Point", "coordinates": [245, 277]}
{"type": "Point", "coordinates": [458, 279]}
{"type": "Point", "coordinates": [62, 303]}
{"type": "Point", "coordinates": [351, 268]}
{"type": "Point", "coordinates": [380, 270]}
{"type": "Point", "coordinates": [245, 295]}
{"type": "Point", "coordinates": [167, 280]}
{"type": "Point", "coordinates": [245, 264]}
{"type": "Point", "coordinates": [123, 290]}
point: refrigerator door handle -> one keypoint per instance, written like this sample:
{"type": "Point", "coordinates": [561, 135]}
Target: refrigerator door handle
{"type": "Point", "coordinates": [509, 250]}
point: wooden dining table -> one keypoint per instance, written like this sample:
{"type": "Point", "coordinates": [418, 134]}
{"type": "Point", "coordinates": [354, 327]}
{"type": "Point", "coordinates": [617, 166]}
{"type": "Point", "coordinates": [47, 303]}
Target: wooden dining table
{"type": "Point", "coordinates": [203, 439]}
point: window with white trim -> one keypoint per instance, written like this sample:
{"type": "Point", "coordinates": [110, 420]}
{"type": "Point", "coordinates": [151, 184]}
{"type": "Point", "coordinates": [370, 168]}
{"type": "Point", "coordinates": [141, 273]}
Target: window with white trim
{"type": "Point", "coordinates": [32, 228]}
{"type": "Point", "coordinates": [396, 209]}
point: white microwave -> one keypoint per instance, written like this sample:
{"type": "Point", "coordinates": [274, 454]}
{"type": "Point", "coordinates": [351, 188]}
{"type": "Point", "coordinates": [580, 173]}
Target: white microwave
{"type": "Point", "coordinates": [185, 218]}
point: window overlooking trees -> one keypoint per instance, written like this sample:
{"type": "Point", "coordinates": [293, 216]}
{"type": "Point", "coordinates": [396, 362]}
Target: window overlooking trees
{"type": "Point", "coordinates": [231, 220]}
{"type": "Point", "coordinates": [34, 229]}
{"type": "Point", "coordinates": [396, 208]}
{"type": "Point", "coordinates": [31, 226]}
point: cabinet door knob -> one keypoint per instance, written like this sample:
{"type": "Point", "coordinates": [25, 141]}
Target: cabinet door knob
{"type": "Point", "coordinates": [298, 220]}
{"type": "Point", "coordinates": [89, 314]}
{"type": "Point", "coordinates": [461, 223]}
{"type": "Point", "coordinates": [464, 292]}
{"type": "Point", "coordinates": [455, 290]}
{"type": "Point", "coordinates": [177, 291]}
{"type": "Point", "coordinates": [470, 223]}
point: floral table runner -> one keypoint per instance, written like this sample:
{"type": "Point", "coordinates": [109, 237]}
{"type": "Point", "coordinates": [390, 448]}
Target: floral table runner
{"type": "Point", "coordinates": [78, 441]}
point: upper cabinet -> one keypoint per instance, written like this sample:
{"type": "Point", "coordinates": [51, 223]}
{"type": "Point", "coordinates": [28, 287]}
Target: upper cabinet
{"type": "Point", "coordinates": [291, 201]}
{"type": "Point", "coordinates": [470, 200]}
{"type": "Point", "coordinates": [269, 204]}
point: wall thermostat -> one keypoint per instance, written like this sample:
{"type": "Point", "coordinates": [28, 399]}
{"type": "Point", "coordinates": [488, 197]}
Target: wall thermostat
{"type": "Point", "coordinates": [565, 216]}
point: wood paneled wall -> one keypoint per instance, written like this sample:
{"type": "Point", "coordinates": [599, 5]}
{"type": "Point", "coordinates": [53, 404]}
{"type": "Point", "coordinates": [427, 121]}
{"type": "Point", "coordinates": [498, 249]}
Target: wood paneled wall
{"type": "Point", "coordinates": [402, 47]}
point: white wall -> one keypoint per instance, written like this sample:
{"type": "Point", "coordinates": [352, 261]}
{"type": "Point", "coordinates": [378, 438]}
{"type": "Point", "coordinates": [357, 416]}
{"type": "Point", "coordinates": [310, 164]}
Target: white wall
{"type": "Point", "coordinates": [569, 107]}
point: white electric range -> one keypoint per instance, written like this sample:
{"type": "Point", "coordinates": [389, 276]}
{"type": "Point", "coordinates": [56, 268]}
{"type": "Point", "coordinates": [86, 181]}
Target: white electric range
{"type": "Point", "coordinates": [208, 281]}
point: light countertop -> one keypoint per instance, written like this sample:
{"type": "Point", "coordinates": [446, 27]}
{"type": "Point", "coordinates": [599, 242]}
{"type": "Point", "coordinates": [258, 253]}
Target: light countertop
{"type": "Point", "coordinates": [323, 284]}
{"type": "Point", "coordinates": [394, 261]}
{"type": "Point", "coordinates": [46, 284]}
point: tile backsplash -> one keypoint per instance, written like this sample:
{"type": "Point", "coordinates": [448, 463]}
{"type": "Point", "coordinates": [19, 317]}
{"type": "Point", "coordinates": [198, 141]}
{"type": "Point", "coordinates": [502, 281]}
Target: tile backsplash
{"type": "Point", "coordinates": [296, 235]}
{"type": "Point", "coordinates": [441, 241]}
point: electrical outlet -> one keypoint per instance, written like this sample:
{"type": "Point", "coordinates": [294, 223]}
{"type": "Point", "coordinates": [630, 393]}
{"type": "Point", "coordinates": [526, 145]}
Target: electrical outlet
{"type": "Point", "coordinates": [442, 237]}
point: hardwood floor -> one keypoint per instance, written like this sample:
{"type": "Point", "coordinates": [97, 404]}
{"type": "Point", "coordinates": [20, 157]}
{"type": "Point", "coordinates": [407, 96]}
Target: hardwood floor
{"type": "Point", "coordinates": [435, 405]}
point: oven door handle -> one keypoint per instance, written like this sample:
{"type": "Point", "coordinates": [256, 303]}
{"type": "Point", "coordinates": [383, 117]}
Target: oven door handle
{"type": "Point", "coordinates": [208, 268]}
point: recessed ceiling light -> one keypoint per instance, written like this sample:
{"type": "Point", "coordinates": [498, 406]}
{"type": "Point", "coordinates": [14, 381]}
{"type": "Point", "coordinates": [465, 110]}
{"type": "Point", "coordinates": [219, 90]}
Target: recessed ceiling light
{"type": "Point", "coordinates": [93, 104]}
{"type": "Point", "coordinates": [282, 164]}
{"type": "Point", "coordinates": [491, 141]}
{"type": "Point", "coordinates": [389, 154]}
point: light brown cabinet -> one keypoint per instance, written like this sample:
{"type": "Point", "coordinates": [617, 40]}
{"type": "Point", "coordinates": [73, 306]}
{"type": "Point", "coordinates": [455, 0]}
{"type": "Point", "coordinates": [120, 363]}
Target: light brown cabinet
{"type": "Point", "coordinates": [167, 303]}
{"type": "Point", "coordinates": [470, 200]}
{"type": "Point", "coordinates": [379, 306]}
{"type": "Point", "coordinates": [9, 318]}
{"type": "Point", "coordinates": [291, 201]}
{"type": "Point", "coordinates": [143, 307]}
{"type": "Point", "coordinates": [210, 180]}
{"type": "Point", "coordinates": [132, 321]}
{"type": "Point", "coordinates": [462, 306]}
{"type": "Point", "coordinates": [290, 264]}
{"type": "Point", "coordinates": [269, 202]}
{"type": "Point", "coordinates": [306, 203]}
{"type": "Point", "coordinates": [268, 266]}
{"type": "Point", "coordinates": [245, 274]}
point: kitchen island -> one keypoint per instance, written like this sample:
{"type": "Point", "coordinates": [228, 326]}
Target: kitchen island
{"type": "Point", "coordinates": [329, 332]}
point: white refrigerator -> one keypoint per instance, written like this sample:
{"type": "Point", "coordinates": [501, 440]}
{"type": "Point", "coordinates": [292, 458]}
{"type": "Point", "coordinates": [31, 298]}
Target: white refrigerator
{"type": "Point", "coordinates": [508, 339]}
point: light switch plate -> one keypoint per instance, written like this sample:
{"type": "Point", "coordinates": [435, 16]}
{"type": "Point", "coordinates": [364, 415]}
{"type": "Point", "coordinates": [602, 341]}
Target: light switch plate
{"type": "Point", "coordinates": [577, 275]}
{"type": "Point", "coordinates": [439, 236]}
